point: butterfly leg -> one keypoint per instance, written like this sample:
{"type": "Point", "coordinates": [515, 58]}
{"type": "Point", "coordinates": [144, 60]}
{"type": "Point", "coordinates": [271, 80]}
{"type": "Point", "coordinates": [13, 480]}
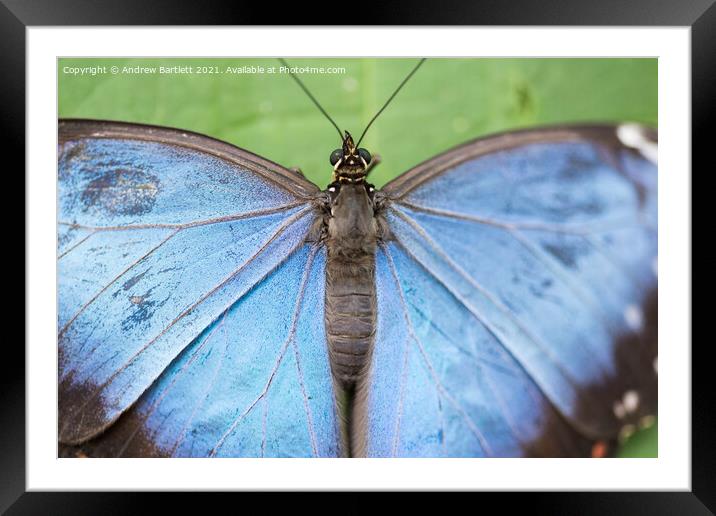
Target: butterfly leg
{"type": "Point", "coordinates": [297, 170]}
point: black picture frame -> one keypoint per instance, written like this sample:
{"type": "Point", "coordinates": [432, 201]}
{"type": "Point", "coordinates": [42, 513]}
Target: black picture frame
{"type": "Point", "coordinates": [16, 15]}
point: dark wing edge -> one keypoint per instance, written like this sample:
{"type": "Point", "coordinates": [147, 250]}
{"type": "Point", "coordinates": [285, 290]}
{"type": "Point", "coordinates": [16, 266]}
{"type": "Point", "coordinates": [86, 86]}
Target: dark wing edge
{"type": "Point", "coordinates": [70, 129]}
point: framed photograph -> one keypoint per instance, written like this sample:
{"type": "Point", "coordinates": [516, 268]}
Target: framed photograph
{"type": "Point", "coordinates": [432, 261]}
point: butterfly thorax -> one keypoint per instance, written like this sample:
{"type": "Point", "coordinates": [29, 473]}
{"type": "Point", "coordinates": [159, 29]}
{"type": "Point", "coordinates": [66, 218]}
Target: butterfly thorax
{"type": "Point", "coordinates": [351, 240]}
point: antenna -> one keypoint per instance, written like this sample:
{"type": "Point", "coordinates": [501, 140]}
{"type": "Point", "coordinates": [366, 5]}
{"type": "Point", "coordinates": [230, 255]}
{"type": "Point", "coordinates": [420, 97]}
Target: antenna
{"type": "Point", "coordinates": [303, 87]}
{"type": "Point", "coordinates": [391, 98]}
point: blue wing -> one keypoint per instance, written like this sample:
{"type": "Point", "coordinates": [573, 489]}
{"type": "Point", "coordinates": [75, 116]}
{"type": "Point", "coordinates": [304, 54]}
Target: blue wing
{"type": "Point", "coordinates": [255, 383]}
{"type": "Point", "coordinates": [171, 247]}
{"type": "Point", "coordinates": [514, 299]}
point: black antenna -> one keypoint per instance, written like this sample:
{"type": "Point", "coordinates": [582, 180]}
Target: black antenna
{"type": "Point", "coordinates": [391, 98]}
{"type": "Point", "coordinates": [303, 87]}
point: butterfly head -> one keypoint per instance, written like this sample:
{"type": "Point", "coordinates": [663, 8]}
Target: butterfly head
{"type": "Point", "coordinates": [350, 163]}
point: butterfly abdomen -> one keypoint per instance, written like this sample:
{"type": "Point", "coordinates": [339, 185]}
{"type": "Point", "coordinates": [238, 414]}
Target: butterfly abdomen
{"type": "Point", "coordinates": [350, 284]}
{"type": "Point", "coordinates": [350, 317]}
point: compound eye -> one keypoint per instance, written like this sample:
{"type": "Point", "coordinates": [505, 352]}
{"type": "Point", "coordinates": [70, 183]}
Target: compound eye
{"type": "Point", "coordinates": [336, 156]}
{"type": "Point", "coordinates": [365, 155]}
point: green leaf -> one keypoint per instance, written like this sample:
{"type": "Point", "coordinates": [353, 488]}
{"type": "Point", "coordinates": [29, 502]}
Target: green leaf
{"type": "Point", "coordinates": [446, 103]}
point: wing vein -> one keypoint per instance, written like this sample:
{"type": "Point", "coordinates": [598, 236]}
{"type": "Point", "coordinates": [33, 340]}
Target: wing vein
{"type": "Point", "coordinates": [289, 339]}
{"type": "Point", "coordinates": [583, 293]}
{"type": "Point", "coordinates": [478, 361]}
{"type": "Point", "coordinates": [287, 223]}
{"type": "Point", "coordinates": [573, 229]}
{"type": "Point", "coordinates": [168, 388]}
{"type": "Point", "coordinates": [76, 245]}
{"type": "Point", "coordinates": [109, 283]}
{"type": "Point", "coordinates": [542, 347]}
{"type": "Point", "coordinates": [203, 398]}
{"type": "Point", "coordinates": [299, 371]}
{"type": "Point", "coordinates": [401, 398]}
{"type": "Point", "coordinates": [433, 375]}
{"type": "Point", "coordinates": [204, 222]}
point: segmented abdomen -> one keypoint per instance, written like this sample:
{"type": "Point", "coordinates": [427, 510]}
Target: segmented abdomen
{"type": "Point", "coordinates": [350, 316]}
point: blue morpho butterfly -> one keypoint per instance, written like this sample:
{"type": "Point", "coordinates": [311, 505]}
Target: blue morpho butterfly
{"type": "Point", "coordinates": [498, 299]}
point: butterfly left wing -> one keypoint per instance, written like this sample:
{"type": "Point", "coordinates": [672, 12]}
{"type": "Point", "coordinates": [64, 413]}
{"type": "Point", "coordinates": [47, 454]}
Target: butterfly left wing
{"type": "Point", "coordinates": [516, 298]}
{"type": "Point", "coordinates": [255, 383]}
{"type": "Point", "coordinates": [164, 237]}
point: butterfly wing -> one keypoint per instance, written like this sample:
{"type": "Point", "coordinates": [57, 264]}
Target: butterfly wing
{"type": "Point", "coordinates": [516, 298]}
{"type": "Point", "coordinates": [177, 252]}
{"type": "Point", "coordinates": [255, 383]}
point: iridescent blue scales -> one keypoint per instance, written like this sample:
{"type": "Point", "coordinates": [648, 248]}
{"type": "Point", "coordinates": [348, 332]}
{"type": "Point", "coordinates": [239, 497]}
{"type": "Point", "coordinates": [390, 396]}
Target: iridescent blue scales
{"type": "Point", "coordinates": [516, 299]}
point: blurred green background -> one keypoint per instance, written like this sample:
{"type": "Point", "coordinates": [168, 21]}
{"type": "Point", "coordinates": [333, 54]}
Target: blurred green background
{"type": "Point", "coordinates": [449, 101]}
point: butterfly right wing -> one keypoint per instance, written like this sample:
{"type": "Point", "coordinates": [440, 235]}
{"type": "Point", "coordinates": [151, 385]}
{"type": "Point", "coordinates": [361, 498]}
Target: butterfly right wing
{"type": "Point", "coordinates": [442, 385]}
{"type": "Point", "coordinates": [517, 298]}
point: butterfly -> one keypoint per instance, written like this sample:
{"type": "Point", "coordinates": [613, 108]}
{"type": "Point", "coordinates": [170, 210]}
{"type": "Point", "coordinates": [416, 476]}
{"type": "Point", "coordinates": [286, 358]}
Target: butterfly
{"type": "Point", "coordinates": [497, 300]}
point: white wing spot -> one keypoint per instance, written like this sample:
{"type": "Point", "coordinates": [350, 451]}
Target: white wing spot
{"type": "Point", "coordinates": [619, 410]}
{"type": "Point", "coordinates": [632, 135]}
{"type": "Point", "coordinates": [634, 317]}
{"type": "Point", "coordinates": [630, 401]}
